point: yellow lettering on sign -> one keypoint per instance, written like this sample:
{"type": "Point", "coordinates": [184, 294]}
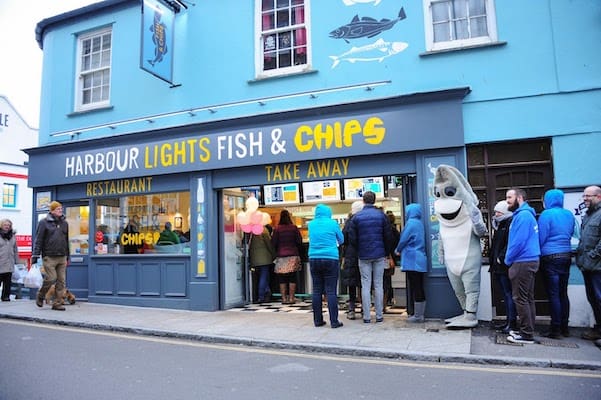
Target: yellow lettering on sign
{"type": "Point", "coordinates": [176, 153]}
{"type": "Point", "coordinates": [286, 172]}
{"type": "Point", "coordinates": [119, 186]}
{"type": "Point", "coordinates": [338, 134]}
{"type": "Point", "coordinates": [328, 169]}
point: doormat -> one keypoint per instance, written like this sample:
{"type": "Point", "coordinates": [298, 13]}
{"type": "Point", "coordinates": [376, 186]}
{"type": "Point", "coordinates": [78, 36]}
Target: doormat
{"type": "Point", "coordinates": [502, 339]}
{"type": "Point", "coordinates": [558, 343]}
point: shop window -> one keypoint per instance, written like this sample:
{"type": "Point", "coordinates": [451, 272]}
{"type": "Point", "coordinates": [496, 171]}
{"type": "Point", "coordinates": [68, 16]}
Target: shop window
{"type": "Point", "coordinates": [283, 31]}
{"type": "Point", "coordinates": [454, 24]}
{"type": "Point", "coordinates": [9, 195]}
{"type": "Point", "coordinates": [93, 79]}
{"type": "Point", "coordinates": [147, 224]}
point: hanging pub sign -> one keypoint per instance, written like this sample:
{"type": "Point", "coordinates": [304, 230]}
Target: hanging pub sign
{"type": "Point", "coordinates": [157, 39]}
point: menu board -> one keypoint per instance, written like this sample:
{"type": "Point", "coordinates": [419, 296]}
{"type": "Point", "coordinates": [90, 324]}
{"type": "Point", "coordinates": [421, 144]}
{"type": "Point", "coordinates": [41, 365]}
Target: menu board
{"type": "Point", "coordinates": [284, 193]}
{"type": "Point", "coordinates": [321, 191]}
{"type": "Point", "coordinates": [354, 188]}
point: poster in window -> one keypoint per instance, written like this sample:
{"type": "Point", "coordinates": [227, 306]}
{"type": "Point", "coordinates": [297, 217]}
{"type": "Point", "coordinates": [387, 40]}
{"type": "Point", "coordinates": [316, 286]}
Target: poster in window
{"type": "Point", "coordinates": [253, 191]}
{"type": "Point", "coordinates": [354, 188]}
{"type": "Point", "coordinates": [321, 191]}
{"type": "Point", "coordinates": [285, 193]}
{"type": "Point", "coordinates": [42, 201]}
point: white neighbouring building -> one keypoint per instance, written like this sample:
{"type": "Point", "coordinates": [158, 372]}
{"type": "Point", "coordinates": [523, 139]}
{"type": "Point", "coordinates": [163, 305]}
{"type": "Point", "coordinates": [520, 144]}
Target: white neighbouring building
{"type": "Point", "coordinates": [16, 203]}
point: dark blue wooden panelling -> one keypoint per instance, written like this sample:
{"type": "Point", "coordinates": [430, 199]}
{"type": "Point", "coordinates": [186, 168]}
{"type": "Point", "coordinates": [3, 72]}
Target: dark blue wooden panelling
{"type": "Point", "coordinates": [103, 278]}
{"type": "Point", "coordinates": [174, 278]}
{"type": "Point", "coordinates": [126, 282]}
{"type": "Point", "coordinates": [149, 277]}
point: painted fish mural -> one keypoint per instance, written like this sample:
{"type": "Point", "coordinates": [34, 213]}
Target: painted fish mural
{"type": "Point", "coordinates": [158, 29]}
{"type": "Point", "coordinates": [365, 27]}
{"type": "Point", "coordinates": [377, 51]}
{"type": "Point", "coordinates": [351, 2]}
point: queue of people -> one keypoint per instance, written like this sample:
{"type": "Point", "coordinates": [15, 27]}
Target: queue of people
{"type": "Point", "coordinates": [520, 246]}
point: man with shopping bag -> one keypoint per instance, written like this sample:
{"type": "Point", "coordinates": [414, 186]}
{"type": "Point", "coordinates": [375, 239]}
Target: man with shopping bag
{"type": "Point", "coordinates": [52, 244]}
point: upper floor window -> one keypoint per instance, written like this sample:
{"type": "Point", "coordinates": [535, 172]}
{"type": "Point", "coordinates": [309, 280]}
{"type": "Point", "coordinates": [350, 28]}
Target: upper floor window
{"type": "Point", "coordinates": [93, 80]}
{"type": "Point", "coordinates": [283, 30]}
{"type": "Point", "coordinates": [459, 23]}
{"type": "Point", "coordinates": [9, 195]}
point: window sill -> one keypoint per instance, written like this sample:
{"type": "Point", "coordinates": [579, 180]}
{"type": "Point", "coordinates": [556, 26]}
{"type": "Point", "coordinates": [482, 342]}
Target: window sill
{"type": "Point", "coordinates": [470, 47]}
{"type": "Point", "coordinates": [267, 78]}
{"type": "Point", "coordinates": [91, 110]}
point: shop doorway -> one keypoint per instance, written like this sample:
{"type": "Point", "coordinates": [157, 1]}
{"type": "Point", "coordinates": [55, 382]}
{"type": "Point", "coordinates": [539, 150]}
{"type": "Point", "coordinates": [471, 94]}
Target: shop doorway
{"type": "Point", "coordinates": [78, 217]}
{"type": "Point", "coordinates": [238, 281]}
{"type": "Point", "coordinates": [233, 251]}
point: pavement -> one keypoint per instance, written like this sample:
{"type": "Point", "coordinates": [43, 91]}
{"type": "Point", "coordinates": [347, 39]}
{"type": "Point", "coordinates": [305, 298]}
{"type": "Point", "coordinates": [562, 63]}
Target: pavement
{"type": "Point", "coordinates": [291, 328]}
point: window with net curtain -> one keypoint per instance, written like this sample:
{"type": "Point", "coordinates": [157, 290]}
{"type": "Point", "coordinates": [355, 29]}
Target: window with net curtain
{"type": "Point", "coordinates": [283, 33]}
{"type": "Point", "coordinates": [459, 23]}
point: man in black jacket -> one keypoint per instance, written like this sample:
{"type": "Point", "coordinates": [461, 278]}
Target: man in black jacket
{"type": "Point", "coordinates": [52, 244]}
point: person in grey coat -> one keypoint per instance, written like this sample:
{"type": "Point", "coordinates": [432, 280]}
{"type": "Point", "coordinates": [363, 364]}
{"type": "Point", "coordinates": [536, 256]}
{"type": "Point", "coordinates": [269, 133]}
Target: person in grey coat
{"type": "Point", "coordinates": [9, 256]}
{"type": "Point", "coordinates": [588, 257]}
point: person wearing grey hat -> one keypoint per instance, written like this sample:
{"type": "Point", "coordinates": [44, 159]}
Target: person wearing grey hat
{"type": "Point", "coordinates": [500, 223]}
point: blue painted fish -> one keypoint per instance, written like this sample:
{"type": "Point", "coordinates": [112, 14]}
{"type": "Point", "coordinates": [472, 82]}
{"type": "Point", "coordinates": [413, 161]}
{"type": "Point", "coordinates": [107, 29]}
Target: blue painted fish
{"type": "Point", "coordinates": [365, 27]}
{"type": "Point", "coordinates": [158, 29]}
{"type": "Point", "coordinates": [351, 2]}
{"type": "Point", "coordinates": [377, 51]}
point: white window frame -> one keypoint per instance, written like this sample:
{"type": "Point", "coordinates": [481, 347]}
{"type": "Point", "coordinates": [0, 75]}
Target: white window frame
{"type": "Point", "coordinates": [81, 74]}
{"type": "Point", "coordinates": [6, 187]}
{"type": "Point", "coordinates": [259, 34]}
{"type": "Point", "coordinates": [459, 43]}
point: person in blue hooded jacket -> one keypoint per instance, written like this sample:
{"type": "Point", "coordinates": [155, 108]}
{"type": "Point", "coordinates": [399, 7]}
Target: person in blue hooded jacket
{"type": "Point", "coordinates": [412, 249]}
{"type": "Point", "coordinates": [555, 231]}
{"type": "Point", "coordinates": [325, 238]}
{"type": "Point", "coordinates": [522, 257]}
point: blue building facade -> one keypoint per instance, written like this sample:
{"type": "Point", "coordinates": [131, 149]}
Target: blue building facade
{"type": "Point", "coordinates": [171, 111]}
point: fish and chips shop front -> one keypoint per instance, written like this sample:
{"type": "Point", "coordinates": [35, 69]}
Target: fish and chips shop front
{"type": "Point", "coordinates": [120, 193]}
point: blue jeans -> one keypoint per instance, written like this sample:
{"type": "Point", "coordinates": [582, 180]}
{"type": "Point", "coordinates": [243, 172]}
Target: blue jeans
{"type": "Point", "coordinates": [372, 267]}
{"type": "Point", "coordinates": [556, 271]}
{"type": "Point", "coordinates": [264, 292]}
{"type": "Point", "coordinates": [592, 285]}
{"type": "Point", "coordinates": [505, 284]}
{"type": "Point", "coordinates": [324, 275]}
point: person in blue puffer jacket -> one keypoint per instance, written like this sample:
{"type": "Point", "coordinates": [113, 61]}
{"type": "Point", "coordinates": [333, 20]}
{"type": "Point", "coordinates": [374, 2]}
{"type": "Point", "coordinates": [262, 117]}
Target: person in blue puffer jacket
{"type": "Point", "coordinates": [555, 231]}
{"type": "Point", "coordinates": [412, 249]}
{"type": "Point", "coordinates": [325, 238]}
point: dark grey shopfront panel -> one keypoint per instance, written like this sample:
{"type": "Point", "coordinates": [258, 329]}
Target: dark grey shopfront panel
{"type": "Point", "coordinates": [140, 281]}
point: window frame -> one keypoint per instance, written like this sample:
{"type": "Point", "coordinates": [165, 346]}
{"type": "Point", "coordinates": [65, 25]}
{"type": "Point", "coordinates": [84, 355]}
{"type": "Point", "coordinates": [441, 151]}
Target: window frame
{"type": "Point", "coordinates": [260, 72]}
{"type": "Point", "coordinates": [491, 25]}
{"type": "Point", "coordinates": [81, 74]}
{"type": "Point", "coordinates": [5, 195]}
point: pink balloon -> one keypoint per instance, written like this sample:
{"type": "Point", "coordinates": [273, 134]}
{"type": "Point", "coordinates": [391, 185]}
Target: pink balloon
{"type": "Point", "coordinates": [246, 228]}
{"type": "Point", "coordinates": [257, 229]}
{"type": "Point", "coordinates": [256, 218]}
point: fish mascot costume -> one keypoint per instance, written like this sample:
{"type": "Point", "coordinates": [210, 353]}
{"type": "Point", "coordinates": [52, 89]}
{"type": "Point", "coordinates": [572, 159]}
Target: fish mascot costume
{"type": "Point", "coordinates": [461, 227]}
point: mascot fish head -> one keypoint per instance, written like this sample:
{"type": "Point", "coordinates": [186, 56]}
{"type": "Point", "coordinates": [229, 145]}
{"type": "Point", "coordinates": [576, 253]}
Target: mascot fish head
{"type": "Point", "coordinates": [454, 196]}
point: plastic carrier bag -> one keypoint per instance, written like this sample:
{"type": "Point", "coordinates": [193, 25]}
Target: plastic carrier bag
{"type": "Point", "coordinates": [19, 274]}
{"type": "Point", "coordinates": [33, 279]}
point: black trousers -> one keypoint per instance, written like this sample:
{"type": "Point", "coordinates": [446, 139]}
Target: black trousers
{"type": "Point", "coordinates": [5, 278]}
{"type": "Point", "coordinates": [416, 285]}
